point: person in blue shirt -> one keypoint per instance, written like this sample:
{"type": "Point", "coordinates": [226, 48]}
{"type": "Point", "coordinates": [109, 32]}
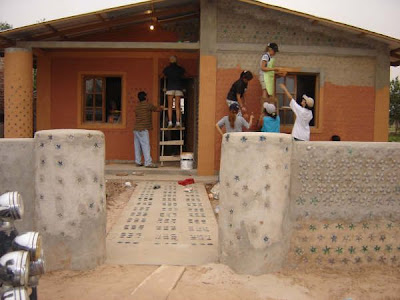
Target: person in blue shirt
{"type": "Point", "coordinates": [270, 122]}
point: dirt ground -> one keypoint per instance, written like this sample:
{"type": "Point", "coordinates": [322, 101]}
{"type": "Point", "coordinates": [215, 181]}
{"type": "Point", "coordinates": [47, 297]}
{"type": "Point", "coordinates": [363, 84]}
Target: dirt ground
{"type": "Point", "coordinates": [214, 202]}
{"type": "Point", "coordinates": [218, 282]}
{"type": "Point", "coordinates": [213, 281]}
{"type": "Point", "coordinates": [118, 194]}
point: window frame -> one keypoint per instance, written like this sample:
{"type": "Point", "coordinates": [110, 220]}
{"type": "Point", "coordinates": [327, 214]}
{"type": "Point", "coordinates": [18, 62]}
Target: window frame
{"type": "Point", "coordinates": [318, 102]}
{"type": "Point", "coordinates": [81, 123]}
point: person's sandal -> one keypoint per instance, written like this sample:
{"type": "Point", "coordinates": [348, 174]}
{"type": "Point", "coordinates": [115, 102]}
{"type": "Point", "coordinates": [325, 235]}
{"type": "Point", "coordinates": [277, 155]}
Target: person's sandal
{"type": "Point", "coordinates": [138, 165]}
{"type": "Point", "coordinates": [152, 166]}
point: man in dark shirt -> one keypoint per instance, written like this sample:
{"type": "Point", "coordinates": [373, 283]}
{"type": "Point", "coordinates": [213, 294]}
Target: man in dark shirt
{"type": "Point", "coordinates": [141, 130]}
{"type": "Point", "coordinates": [174, 75]}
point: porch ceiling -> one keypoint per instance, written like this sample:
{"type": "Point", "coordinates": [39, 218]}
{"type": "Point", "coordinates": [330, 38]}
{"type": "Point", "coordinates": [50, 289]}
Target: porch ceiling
{"type": "Point", "coordinates": [101, 21]}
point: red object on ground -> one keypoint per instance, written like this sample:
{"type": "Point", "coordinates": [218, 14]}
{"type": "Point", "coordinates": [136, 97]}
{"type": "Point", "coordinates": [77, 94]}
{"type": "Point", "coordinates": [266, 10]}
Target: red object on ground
{"type": "Point", "coordinates": [187, 181]}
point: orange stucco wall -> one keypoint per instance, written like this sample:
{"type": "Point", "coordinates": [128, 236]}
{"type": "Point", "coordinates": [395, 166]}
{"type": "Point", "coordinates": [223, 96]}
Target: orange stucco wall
{"type": "Point", "coordinates": [142, 73]}
{"type": "Point", "coordinates": [347, 111]}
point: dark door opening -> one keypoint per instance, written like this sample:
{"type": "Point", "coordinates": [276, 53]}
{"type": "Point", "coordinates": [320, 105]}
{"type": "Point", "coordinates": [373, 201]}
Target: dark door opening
{"type": "Point", "coordinates": [189, 119]}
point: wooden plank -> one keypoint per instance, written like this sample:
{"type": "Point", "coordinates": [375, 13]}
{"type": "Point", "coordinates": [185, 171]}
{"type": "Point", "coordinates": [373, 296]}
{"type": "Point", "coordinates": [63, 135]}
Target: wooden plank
{"type": "Point", "coordinates": [107, 45]}
{"type": "Point", "coordinates": [170, 158]}
{"type": "Point", "coordinates": [159, 284]}
{"type": "Point", "coordinates": [171, 129]}
{"type": "Point", "coordinates": [172, 143]}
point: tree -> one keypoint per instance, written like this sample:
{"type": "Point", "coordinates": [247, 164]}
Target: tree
{"type": "Point", "coordinates": [394, 106]}
{"type": "Point", "coordinates": [5, 26]}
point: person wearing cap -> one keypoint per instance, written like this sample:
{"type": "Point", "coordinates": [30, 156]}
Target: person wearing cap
{"type": "Point", "coordinates": [303, 112]}
{"type": "Point", "coordinates": [233, 122]}
{"type": "Point", "coordinates": [141, 130]}
{"type": "Point", "coordinates": [270, 122]}
{"type": "Point", "coordinates": [174, 74]}
{"type": "Point", "coordinates": [267, 72]}
{"type": "Point", "coordinates": [237, 90]}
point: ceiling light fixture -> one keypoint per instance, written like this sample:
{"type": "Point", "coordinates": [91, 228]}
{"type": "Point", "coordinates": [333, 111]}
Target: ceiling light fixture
{"type": "Point", "coordinates": [153, 19]}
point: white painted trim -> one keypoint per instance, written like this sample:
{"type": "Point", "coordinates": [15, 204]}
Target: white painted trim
{"type": "Point", "coordinates": [107, 45]}
{"type": "Point", "coordinates": [291, 49]}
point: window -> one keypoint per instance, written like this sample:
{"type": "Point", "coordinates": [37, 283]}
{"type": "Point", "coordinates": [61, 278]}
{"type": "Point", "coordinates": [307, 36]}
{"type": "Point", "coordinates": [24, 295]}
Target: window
{"type": "Point", "coordinates": [298, 85]}
{"type": "Point", "coordinates": [102, 99]}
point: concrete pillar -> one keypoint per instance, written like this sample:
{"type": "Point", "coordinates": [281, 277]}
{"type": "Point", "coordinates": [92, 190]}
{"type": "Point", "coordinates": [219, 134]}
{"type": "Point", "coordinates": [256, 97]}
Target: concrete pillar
{"type": "Point", "coordinates": [70, 197]}
{"type": "Point", "coordinates": [382, 95]}
{"type": "Point", "coordinates": [18, 89]}
{"type": "Point", "coordinates": [254, 221]}
{"type": "Point", "coordinates": [208, 84]}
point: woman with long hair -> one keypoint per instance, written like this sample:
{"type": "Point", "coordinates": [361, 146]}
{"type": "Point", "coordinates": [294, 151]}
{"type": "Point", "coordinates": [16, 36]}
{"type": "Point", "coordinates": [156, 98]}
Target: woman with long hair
{"type": "Point", "coordinates": [233, 122]}
{"type": "Point", "coordinates": [237, 90]}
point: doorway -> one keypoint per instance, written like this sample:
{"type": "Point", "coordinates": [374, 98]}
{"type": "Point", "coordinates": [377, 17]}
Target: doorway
{"type": "Point", "coordinates": [189, 113]}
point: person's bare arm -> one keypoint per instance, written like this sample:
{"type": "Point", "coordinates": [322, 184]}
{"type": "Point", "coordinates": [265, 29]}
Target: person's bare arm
{"type": "Point", "coordinates": [219, 129]}
{"type": "Point", "coordinates": [241, 103]}
{"type": "Point", "coordinates": [260, 121]}
{"type": "Point", "coordinates": [251, 119]}
{"type": "Point", "coordinates": [283, 87]}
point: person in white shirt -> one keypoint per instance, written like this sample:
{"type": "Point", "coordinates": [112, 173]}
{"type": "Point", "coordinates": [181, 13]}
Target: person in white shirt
{"type": "Point", "coordinates": [303, 112]}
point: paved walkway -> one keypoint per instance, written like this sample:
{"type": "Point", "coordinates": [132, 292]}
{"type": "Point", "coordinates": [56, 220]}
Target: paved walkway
{"type": "Point", "coordinates": [165, 226]}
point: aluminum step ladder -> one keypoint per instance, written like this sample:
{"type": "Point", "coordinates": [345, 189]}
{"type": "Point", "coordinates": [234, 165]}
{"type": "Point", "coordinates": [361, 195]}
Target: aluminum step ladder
{"type": "Point", "coordinates": [164, 128]}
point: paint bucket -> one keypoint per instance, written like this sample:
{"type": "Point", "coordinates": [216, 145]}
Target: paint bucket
{"type": "Point", "coordinates": [187, 161]}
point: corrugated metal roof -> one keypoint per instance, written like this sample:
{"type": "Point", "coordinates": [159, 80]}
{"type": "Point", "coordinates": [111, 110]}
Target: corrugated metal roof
{"type": "Point", "coordinates": [103, 19]}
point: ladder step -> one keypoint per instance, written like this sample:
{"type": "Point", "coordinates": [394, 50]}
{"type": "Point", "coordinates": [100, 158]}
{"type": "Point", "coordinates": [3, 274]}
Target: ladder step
{"type": "Point", "coordinates": [172, 128]}
{"type": "Point", "coordinates": [170, 158]}
{"type": "Point", "coordinates": [172, 143]}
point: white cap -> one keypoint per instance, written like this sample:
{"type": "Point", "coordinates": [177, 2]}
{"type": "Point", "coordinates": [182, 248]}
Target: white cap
{"type": "Point", "coordinates": [270, 108]}
{"type": "Point", "coordinates": [309, 101]}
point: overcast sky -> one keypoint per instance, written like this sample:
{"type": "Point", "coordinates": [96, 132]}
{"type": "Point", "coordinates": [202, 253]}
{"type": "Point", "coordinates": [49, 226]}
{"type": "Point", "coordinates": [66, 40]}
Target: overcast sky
{"type": "Point", "coordinates": [381, 16]}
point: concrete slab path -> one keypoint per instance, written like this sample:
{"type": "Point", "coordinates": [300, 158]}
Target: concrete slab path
{"type": "Point", "coordinates": [163, 224]}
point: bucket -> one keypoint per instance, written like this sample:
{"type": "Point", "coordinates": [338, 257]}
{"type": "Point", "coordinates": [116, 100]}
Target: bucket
{"type": "Point", "coordinates": [187, 161]}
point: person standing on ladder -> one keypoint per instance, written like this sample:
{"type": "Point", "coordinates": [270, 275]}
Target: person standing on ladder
{"type": "Point", "coordinates": [174, 74]}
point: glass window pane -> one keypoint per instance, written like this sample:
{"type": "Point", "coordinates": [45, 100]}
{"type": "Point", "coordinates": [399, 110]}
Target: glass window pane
{"type": "Point", "coordinates": [89, 86]}
{"type": "Point", "coordinates": [89, 100]}
{"type": "Point", "coordinates": [278, 81]}
{"type": "Point", "coordinates": [89, 115]}
{"type": "Point", "coordinates": [98, 115]}
{"type": "Point", "coordinates": [286, 101]}
{"type": "Point", "coordinates": [98, 86]}
{"type": "Point", "coordinates": [281, 116]}
{"type": "Point", "coordinates": [290, 83]}
{"type": "Point", "coordinates": [280, 100]}
{"type": "Point", "coordinates": [99, 100]}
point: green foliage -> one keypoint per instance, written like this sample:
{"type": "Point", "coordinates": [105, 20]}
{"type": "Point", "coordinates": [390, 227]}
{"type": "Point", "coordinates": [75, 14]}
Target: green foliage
{"type": "Point", "coordinates": [5, 26]}
{"type": "Point", "coordinates": [394, 106]}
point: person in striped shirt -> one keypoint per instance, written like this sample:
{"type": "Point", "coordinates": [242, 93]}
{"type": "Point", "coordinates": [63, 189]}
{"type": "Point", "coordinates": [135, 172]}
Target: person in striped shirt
{"type": "Point", "coordinates": [143, 124]}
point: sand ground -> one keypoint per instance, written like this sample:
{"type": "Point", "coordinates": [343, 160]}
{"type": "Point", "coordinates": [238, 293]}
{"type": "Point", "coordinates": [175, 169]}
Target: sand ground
{"type": "Point", "coordinates": [214, 281]}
